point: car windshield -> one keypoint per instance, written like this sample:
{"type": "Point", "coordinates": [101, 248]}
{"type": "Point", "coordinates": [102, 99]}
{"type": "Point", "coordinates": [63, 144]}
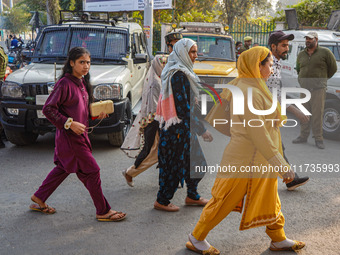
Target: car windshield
{"type": "Point", "coordinates": [111, 45]}
{"type": "Point", "coordinates": [213, 47]}
{"type": "Point", "coordinates": [335, 49]}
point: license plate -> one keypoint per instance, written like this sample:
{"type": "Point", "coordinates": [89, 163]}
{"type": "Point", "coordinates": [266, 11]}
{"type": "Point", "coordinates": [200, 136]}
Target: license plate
{"type": "Point", "coordinates": [40, 100]}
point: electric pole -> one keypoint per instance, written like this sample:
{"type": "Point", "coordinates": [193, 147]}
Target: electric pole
{"type": "Point", "coordinates": [148, 23]}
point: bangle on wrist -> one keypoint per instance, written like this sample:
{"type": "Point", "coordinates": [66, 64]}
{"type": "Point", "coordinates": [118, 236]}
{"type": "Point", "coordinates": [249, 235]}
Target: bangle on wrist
{"type": "Point", "coordinates": [68, 123]}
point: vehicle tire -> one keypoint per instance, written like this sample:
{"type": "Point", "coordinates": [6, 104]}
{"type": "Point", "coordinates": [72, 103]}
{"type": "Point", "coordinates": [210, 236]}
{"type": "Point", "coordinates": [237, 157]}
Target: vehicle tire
{"type": "Point", "coordinates": [21, 138]}
{"type": "Point", "coordinates": [331, 119]}
{"type": "Point", "coordinates": [117, 138]}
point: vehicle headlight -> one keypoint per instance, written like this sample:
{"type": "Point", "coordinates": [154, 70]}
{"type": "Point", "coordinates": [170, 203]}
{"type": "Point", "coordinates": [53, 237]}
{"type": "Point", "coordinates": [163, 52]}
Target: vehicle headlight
{"type": "Point", "coordinates": [108, 91]}
{"type": "Point", "coordinates": [50, 87]}
{"type": "Point", "coordinates": [11, 89]}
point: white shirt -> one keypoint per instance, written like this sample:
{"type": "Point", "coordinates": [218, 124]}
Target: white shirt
{"type": "Point", "coordinates": [274, 80]}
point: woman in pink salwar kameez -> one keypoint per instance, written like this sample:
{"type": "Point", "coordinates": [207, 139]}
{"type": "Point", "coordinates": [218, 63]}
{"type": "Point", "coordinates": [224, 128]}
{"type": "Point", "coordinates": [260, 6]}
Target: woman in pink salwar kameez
{"type": "Point", "coordinates": [68, 109]}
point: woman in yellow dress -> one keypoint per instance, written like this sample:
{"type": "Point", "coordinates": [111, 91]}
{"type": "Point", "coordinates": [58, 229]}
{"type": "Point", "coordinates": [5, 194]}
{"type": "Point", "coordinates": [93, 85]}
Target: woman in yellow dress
{"type": "Point", "coordinates": [253, 147]}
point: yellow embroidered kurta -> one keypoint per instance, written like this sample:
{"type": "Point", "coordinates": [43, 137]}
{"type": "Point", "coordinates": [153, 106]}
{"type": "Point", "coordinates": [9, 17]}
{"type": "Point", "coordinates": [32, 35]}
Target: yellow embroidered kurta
{"type": "Point", "coordinates": [259, 146]}
{"type": "Point", "coordinates": [249, 147]}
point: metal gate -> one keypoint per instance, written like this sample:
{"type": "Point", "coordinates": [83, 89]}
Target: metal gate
{"type": "Point", "coordinates": [258, 30]}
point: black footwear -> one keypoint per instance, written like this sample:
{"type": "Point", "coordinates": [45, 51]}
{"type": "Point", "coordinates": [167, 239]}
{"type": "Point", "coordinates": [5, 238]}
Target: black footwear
{"type": "Point", "coordinates": [2, 145]}
{"type": "Point", "coordinates": [319, 144]}
{"type": "Point", "coordinates": [297, 182]}
{"type": "Point", "coordinates": [3, 136]}
{"type": "Point", "coordinates": [300, 140]}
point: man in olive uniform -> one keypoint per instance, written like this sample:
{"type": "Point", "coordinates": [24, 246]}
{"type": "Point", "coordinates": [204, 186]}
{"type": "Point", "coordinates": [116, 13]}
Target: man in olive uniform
{"type": "Point", "coordinates": [315, 65]}
{"type": "Point", "coordinates": [3, 65]}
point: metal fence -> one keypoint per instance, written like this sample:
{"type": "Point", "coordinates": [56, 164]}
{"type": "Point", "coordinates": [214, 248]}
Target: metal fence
{"type": "Point", "coordinates": [258, 30]}
{"type": "Point", "coordinates": [157, 38]}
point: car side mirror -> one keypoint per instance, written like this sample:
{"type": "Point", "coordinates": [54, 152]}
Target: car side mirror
{"type": "Point", "coordinates": [141, 57]}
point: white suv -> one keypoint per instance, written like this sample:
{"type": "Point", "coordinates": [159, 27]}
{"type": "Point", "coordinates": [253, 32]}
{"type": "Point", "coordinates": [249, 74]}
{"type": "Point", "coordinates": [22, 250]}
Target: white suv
{"type": "Point", "coordinates": [118, 66]}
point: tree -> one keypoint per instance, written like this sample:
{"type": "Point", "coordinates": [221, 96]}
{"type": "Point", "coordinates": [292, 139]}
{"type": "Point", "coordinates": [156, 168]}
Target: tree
{"type": "Point", "coordinates": [79, 5]}
{"type": "Point", "coordinates": [187, 11]}
{"type": "Point", "coordinates": [52, 7]}
{"type": "Point", "coordinates": [34, 5]}
{"type": "Point", "coordinates": [241, 8]}
{"type": "Point", "coordinates": [184, 6]}
{"type": "Point", "coordinates": [68, 5]}
{"type": "Point", "coordinates": [17, 20]}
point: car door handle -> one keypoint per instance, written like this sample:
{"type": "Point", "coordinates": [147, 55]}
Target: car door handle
{"type": "Point", "coordinates": [139, 67]}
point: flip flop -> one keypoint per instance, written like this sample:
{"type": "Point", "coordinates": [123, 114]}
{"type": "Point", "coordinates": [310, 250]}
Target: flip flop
{"type": "Point", "coordinates": [45, 210]}
{"type": "Point", "coordinates": [211, 251]}
{"type": "Point", "coordinates": [109, 217]}
{"type": "Point", "coordinates": [297, 246]}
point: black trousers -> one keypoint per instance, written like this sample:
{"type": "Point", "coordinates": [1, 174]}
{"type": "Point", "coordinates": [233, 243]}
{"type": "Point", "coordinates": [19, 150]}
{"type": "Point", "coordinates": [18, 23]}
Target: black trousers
{"type": "Point", "coordinates": [284, 156]}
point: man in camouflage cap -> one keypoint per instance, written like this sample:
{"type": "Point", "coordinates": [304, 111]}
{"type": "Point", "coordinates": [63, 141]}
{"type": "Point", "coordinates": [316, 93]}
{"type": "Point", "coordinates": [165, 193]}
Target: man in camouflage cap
{"type": "Point", "coordinates": [171, 39]}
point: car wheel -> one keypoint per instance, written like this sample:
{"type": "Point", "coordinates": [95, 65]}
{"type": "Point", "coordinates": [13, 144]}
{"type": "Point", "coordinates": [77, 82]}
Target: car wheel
{"type": "Point", "coordinates": [117, 138]}
{"type": "Point", "coordinates": [331, 119]}
{"type": "Point", "coordinates": [20, 138]}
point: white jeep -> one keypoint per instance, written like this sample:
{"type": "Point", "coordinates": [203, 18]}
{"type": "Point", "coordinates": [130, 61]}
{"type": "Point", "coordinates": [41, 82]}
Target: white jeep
{"type": "Point", "coordinates": [118, 66]}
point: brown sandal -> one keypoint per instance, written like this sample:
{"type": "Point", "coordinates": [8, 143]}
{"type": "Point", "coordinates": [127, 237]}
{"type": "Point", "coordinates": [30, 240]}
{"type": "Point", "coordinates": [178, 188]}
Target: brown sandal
{"type": "Point", "coordinates": [109, 217]}
{"type": "Point", "coordinates": [297, 246]}
{"type": "Point", "coordinates": [200, 202]}
{"type": "Point", "coordinates": [168, 208]}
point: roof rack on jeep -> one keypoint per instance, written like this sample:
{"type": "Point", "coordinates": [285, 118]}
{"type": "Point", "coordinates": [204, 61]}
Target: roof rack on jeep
{"type": "Point", "coordinates": [87, 17]}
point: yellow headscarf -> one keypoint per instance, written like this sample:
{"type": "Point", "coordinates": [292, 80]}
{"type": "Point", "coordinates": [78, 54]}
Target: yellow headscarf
{"type": "Point", "coordinates": [248, 66]}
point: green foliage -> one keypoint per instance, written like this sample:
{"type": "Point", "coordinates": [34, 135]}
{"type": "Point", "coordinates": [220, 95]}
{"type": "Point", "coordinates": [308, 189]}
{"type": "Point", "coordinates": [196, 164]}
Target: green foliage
{"type": "Point", "coordinates": [79, 5]}
{"type": "Point", "coordinates": [197, 16]}
{"type": "Point", "coordinates": [168, 16]}
{"type": "Point", "coordinates": [138, 17]}
{"type": "Point", "coordinates": [185, 6]}
{"type": "Point", "coordinates": [17, 20]}
{"type": "Point", "coordinates": [241, 9]}
{"type": "Point", "coordinates": [68, 5]}
{"type": "Point", "coordinates": [34, 5]}
{"type": "Point", "coordinates": [312, 12]}
{"type": "Point", "coordinates": [41, 6]}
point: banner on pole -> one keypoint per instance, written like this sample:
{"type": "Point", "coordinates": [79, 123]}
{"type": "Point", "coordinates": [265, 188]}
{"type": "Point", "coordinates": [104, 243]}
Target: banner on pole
{"type": "Point", "coordinates": [147, 30]}
{"type": "Point", "coordinates": [124, 5]}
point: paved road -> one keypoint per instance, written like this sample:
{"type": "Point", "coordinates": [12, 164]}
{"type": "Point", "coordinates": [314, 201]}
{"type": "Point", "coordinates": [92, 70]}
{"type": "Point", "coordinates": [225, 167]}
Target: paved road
{"type": "Point", "coordinates": [312, 212]}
